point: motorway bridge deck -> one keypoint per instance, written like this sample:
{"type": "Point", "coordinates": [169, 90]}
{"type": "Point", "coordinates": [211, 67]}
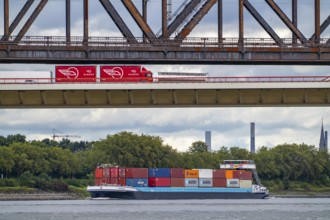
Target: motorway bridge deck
{"type": "Point", "coordinates": [239, 92]}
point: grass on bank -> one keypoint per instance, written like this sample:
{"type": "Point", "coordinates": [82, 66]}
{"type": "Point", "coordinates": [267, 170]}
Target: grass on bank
{"type": "Point", "coordinates": [43, 185]}
{"type": "Point", "coordinates": [296, 187]}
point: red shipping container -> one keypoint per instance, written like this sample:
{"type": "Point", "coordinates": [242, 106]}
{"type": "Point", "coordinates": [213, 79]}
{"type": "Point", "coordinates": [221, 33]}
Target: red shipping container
{"type": "Point", "coordinates": [113, 180]}
{"type": "Point", "coordinates": [237, 174]}
{"type": "Point", "coordinates": [124, 74]}
{"type": "Point", "coordinates": [159, 182]}
{"type": "Point", "coordinates": [98, 181]}
{"type": "Point", "coordinates": [136, 172]}
{"type": "Point", "coordinates": [75, 73]}
{"type": "Point", "coordinates": [219, 182]}
{"type": "Point", "coordinates": [106, 172]}
{"type": "Point", "coordinates": [122, 181]}
{"type": "Point", "coordinates": [98, 172]}
{"type": "Point", "coordinates": [219, 174]}
{"type": "Point", "coordinates": [177, 182]}
{"type": "Point", "coordinates": [114, 172]}
{"type": "Point", "coordinates": [106, 180]}
{"type": "Point", "coordinates": [246, 175]}
{"type": "Point", "coordinates": [121, 172]}
{"type": "Point", "coordinates": [177, 173]}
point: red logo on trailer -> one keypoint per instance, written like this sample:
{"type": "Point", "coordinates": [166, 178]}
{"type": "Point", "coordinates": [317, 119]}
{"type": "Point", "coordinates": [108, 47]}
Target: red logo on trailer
{"type": "Point", "coordinates": [125, 74]}
{"type": "Point", "coordinates": [115, 72]}
{"type": "Point", "coordinates": [75, 73]}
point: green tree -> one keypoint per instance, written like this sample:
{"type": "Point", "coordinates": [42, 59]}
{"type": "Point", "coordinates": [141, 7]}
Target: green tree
{"type": "Point", "coordinates": [131, 150]}
{"type": "Point", "coordinates": [198, 147]}
{"type": "Point", "coordinates": [6, 160]}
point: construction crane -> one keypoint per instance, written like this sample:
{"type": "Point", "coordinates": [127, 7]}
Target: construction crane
{"type": "Point", "coordinates": [56, 135]}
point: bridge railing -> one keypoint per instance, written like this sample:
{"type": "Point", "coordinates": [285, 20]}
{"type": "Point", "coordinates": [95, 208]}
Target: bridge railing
{"type": "Point", "coordinates": [80, 41]}
{"type": "Point", "coordinates": [224, 79]}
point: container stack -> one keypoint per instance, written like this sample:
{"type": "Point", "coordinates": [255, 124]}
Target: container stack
{"type": "Point", "coordinates": [173, 177]}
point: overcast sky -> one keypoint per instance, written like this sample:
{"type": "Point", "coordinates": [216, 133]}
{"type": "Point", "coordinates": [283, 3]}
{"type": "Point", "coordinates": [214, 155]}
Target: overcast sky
{"type": "Point", "coordinates": [178, 127]}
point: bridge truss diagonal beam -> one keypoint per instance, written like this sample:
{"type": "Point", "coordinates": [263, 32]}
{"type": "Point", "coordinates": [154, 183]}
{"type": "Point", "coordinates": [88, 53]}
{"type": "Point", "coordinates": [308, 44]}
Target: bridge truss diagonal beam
{"type": "Point", "coordinates": [31, 19]}
{"type": "Point", "coordinates": [139, 20]}
{"type": "Point", "coordinates": [181, 17]}
{"type": "Point", "coordinates": [119, 22]}
{"type": "Point", "coordinates": [18, 18]}
{"type": "Point", "coordinates": [195, 20]}
{"type": "Point", "coordinates": [263, 23]}
{"type": "Point", "coordinates": [323, 27]}
{"type": "Point", "coordinates": [286, 20]}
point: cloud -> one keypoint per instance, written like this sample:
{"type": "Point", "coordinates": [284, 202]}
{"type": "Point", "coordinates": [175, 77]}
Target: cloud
{"type": "Point", "coordinates": [178, 127]}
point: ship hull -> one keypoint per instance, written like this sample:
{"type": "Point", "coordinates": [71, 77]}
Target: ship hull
{"type": "Point", "coordinates": [150, 195]}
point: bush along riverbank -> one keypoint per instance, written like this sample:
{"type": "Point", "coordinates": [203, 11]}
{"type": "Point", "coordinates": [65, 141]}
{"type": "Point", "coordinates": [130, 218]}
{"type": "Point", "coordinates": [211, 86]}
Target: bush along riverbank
{"type": "Point", "coordinates": [37, 188]}
{"type": "Point", "coordinates": [296, 189]}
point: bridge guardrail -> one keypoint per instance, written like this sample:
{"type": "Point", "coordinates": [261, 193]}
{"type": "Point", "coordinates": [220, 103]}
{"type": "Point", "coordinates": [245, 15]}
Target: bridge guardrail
{"type": "Point", "coordinates": [229, 79]}
{"type": "Point", "coordinates": [80, 41]}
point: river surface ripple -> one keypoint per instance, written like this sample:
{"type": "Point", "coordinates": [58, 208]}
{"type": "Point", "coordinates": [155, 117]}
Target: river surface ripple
{"type": "Point", "coordinates": [267, 209]}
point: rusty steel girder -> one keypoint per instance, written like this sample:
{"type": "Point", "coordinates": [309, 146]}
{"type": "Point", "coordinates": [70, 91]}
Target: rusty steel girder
{"type": "Point", "coordinates": [171, 44]}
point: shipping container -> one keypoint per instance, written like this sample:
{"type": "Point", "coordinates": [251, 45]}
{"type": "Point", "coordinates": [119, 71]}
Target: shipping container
{"type": "Point", "coordinates": [106, 172]}
{"type": "Point", "coordinates": [114, 172]}
{"type": "Point", "coordinates": [219, 174]}
{"type": "Point", "coordinates": [233, 183]}
{"type": "Point", "coordinates": [122, 181]}
{"type": "Point", "coordinates": [246, 175]}
{"type": "Point", "coordinates": [220, 182]}
{"type": "Point", "coordinates": [245, 183]}
{"type": "Point", "coordinates": [136, 172]}
{"type": "Point", "coordinates": [159, 172]}
{"type": "Point", "coordinates": [121, 172]}
{"type": "Point", "coordinates": [114, 180]}
{"type": "Point", "coordinates": [98, 181]}
{"type": "Point", "coordinates": [205, 173]}
{"type": "Point", "coordinates": [177, 182]}
{"type": "Point", "coordinates": [230, 174]}
{"type": "Point", "coordinates": [99, 172]}
{"type": "Point", "coordinates": [124, 74]}
{"type": "Point", "coordinates": [242, 175]}
{"type": "Point", "coordinates": [105, 180]}
{"type": "Point", "coordinates": [191, 182]}
{"type": "Point", "coordinates": [137, 182]}
{"type": "Point", "coordinates": [177, 173]}
{"type": "Point", "coordinates": [75, 73]}
{"type": "Point", "coordinates": [191, 174]}
{"type": "Point", "coordinates": [236, 174]}
{"type": "Point", "coordinates": [159, 182]}
{"type": "Point", "coordinates": [205, 182]}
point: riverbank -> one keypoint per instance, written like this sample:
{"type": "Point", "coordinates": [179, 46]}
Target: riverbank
{"type": "Point", "coordinates": [300, 195]}
{"type": "Point", "coordinates": [39, 196]}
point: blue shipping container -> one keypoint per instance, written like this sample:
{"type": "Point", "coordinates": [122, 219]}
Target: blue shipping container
{"type": "Point", "coordinates": [137, 182]}
{"type": "Point", "coordinates": [159, 172]}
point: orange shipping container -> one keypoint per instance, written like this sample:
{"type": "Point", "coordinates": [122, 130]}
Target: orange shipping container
{"type": "Point", "coordinates": [230, 174]}
{"type": "Point", "coordinates": [191, 174]}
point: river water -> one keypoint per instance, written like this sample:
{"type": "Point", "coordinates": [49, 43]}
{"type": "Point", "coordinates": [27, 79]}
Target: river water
{"type": "Point", "coordinates": [267, 209]}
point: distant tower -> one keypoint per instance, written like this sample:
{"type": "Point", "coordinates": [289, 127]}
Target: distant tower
{"type": "Point", "coordinates": [208, 140]}
{"type": "Point", "coordinates": [326, 139]}
{"type": "Point", "coordinates": [252, 136]}
{"type": "Point", "coordinates": [323, 139]}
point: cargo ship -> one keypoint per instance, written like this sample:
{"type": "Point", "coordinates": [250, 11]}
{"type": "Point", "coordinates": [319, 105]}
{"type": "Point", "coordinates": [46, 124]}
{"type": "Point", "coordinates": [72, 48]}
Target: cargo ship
{"type": "Point", "coordinates": [234, 180]}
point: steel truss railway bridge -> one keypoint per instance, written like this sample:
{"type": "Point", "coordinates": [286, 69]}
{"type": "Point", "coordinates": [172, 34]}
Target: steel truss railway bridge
{"type": "Point", "coordinates": [171, 44]}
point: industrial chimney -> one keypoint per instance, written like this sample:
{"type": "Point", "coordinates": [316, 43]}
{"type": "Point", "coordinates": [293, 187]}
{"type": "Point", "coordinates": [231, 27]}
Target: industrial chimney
{"type": "Point", "coordinates": [208, 140]}
{"type": "Point", "coordinates": [252, 136]}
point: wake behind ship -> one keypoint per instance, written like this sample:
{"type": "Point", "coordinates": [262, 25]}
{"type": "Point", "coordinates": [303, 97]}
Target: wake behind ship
{"type": "Point", "coordinates": [234, 180]}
